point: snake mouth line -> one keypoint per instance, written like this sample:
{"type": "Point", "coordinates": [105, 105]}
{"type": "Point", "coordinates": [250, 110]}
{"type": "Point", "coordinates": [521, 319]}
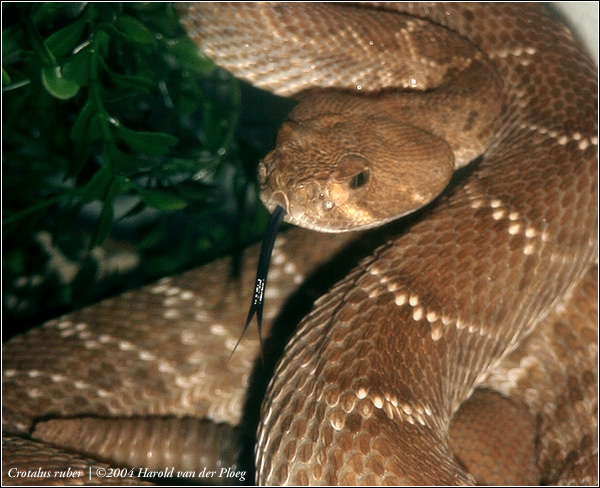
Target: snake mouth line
{"type": "Point", "coordinates": [293, 215]}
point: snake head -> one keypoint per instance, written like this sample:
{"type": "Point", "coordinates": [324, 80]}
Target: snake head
{"type": "Point", "coordinates": [351, 170]}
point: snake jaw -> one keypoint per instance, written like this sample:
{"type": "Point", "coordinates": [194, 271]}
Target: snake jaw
{"type": "Point", "coordinates": [279, 198]}
{"type": "Point", "coordinates": [307, 203]}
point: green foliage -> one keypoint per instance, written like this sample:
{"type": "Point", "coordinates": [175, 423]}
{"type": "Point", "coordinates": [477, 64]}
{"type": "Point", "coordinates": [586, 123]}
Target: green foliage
{"type": "Point", "coordinates": [113, 126]}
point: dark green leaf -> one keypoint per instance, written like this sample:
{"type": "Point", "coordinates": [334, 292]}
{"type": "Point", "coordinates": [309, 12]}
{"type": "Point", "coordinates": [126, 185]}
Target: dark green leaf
{"type": "Point", "coordinates": [197, 191]}
{"type": "Point", "coordinates": [81, 153]}
{"type": "Point", "coordinates": [135, 30]}
{"type": "Point", "coordinates": [155, 235]}
{"type": "Point", "coordinates": [117, 186]}
{"type": "Point", "coordinates": [104, 225]}
{"type": "Point", "coordinates": [135, 83]}
{"type": "Point", "coordinates": [5, 78]}
{"type": "Point", "coordinates": [152, 143]}
{"type": "Point", "coordinates": [80, 129]}
{"type": "Point", "coordinates": [161, 200]}
{"type": "Point", "coordinates": [77, 67]}
{"type": "Point", "coordinates": [57, 85]}
{"type": "Point", "coordinates": [73, 9]}
{"type": "Point", "coordinates": [45, 13]}
{"type": "Point", "coordinates": [12, 45]}
{"type": "Point", "coordinates": [121, 184]}
{"type": "Point", "coordinates": [147, 7]}
{"type": "Point", "coordinates": [102, 42]}
{"type": "Point", "coordinates": [39, 46]}
{"type": "Point", "coordinates": [97, 187]}
{"type": "Point", "coordinates": [124, 164]}
{"type": "Point", "coordinates": [189, 56]}
{"type": "Point", "coordinates": [16, 85]}
{"type": "Point", "coordinates": [63, 41]}
{"type": "Point", "coordinates": [108, 11]}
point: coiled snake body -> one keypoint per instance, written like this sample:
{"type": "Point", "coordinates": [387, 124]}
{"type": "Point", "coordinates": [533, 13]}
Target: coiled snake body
{"type": "Point", "coordinates": [491, 286]}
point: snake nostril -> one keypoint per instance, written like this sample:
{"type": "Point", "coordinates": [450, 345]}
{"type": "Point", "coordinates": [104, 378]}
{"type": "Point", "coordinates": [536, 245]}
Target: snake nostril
{"type": "Point", "coordinates": [328, 205]}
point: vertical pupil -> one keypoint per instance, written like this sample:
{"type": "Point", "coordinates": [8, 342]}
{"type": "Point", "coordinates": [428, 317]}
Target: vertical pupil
{"type": "Point", "coordinates": [358, 180]}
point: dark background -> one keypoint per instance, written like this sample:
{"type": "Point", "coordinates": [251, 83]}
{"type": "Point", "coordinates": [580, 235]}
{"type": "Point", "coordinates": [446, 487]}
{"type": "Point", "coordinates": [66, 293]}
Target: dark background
{"type": "Point", "coordinates": [127, 156]}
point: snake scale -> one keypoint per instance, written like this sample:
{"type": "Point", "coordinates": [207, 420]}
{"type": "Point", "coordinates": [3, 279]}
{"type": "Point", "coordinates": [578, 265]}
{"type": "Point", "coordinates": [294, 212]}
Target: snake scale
{"type": "Point", "coordinates": [491, 289]}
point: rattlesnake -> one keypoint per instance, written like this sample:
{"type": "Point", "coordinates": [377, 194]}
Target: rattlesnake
{"type": "Point", "coordinates": [475, 291]}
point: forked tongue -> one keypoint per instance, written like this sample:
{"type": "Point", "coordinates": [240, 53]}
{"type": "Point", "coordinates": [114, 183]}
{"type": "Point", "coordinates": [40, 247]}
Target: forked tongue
{"type": "Point", "coordinates": [256, 307]}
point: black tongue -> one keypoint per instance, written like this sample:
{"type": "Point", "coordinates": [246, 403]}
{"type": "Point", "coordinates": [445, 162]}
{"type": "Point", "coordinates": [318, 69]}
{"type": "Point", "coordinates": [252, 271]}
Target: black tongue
{"type": "Point", "coordinates": [264, 260]}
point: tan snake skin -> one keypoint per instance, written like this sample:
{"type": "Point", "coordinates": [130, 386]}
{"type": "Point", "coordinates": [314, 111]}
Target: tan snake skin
{"type": "Point", "coordinates": [492, 286]}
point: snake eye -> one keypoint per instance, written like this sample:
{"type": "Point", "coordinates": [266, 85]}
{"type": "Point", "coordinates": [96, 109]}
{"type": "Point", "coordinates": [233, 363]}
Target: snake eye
{"type": "Point", "coordinates": [352, 170]}
{"type": "Point", "coordinates": [359, 179]}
